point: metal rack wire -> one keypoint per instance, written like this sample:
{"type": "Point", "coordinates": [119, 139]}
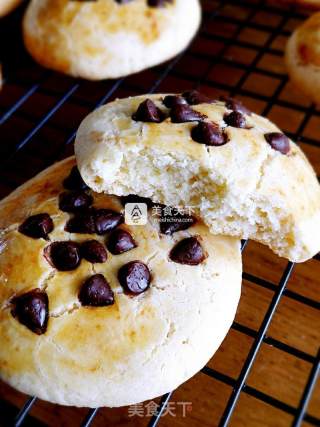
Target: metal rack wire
{"type": "Point", "coordinates": [67, 92]}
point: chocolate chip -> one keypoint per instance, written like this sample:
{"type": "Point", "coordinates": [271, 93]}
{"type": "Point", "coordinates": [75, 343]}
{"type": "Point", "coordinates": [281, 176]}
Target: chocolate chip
{"type": "Point", "coordinates": [32, 310]}
{"type": "Point", "coordinates": [64, 256]}
{"type": "Point", "coordinates": [158, 3]}
{"type": "Point", "coordinates": [134, 277]}
{"type": "Point", "coordinates": [74, 181]}
{"type": "Point", "coordinates": [93, 251]}
{"type": "Point", "coordinates": [176, 221]}
{"type": "Point", "coordinates": [183, 113]}
{"type": "Point", "coordinates": [100, 221]}
{"type": "Point", "coordinates": [133, 198]}
{"type": "Point", "coordinates": [278, 142]}
{"type": "Point", "coordinates": [169, 228]}
{"type": "Point", "coordinates": [82, 223]}
{"type": "Point", "coordinates": [74, 201]}
{"type": "Point", "coordinates": [188, 251]}
{"type": "Point", "coordinates": [235, 119]}
{"type": "Point", "coordinates": [120, 241]}
{"type": "Point", "coordinates": [148, 112]}
{"type": "Point", "coordinates": [96, 292]}
{"type": "Point", "coordinates": [37, 226]}
{"type": "Point", "coordinates": [235, 105]}
{"type": "Point", "coordinates": [123, 1]}
{"type": "Point", "coordinates": [106, 220]}
{"type": "Point", "coordinates": [193, 97]}
{"type": "Point", "coordinates": [209, 134]}
{"type": "Point", "coordinates": [173, 100]}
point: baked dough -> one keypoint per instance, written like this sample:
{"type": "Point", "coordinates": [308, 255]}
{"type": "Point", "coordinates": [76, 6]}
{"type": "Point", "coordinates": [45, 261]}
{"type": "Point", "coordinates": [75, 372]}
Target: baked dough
{"type": "Point", "coordinates": [303, 57]}
{"type": "Point", "coordinates": [106, 39]}
{"type": "Point", "coordinates": [6, 6]}
{"type": "Point", "coordinates": [243, 187]}
{"type": "Point", "coordinates": [138, 348]}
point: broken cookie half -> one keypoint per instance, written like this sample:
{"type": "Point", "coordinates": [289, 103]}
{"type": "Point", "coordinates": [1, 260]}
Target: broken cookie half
{"type": "Point", "coordinates": [235, 169]}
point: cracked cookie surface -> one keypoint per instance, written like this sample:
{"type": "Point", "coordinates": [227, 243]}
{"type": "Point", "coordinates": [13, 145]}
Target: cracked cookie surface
{"type": "Point", "coordinates": [125, 324]}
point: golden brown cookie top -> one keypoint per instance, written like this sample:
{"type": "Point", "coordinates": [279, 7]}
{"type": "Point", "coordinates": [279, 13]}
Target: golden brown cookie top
{"type": "Point", "coordinates": [73, 244]}
{"type": "Point", "coordinates": [137, 16]}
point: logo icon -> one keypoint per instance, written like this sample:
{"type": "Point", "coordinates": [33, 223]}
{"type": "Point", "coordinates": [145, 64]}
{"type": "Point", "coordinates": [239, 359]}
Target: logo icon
{"type": "Point", "coordinates": [136, 213]}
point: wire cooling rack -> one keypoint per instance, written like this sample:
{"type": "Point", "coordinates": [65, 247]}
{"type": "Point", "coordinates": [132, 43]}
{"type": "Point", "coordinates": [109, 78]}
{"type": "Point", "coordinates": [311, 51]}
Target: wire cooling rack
{"type": "Point", "coordinates": [41, 110]}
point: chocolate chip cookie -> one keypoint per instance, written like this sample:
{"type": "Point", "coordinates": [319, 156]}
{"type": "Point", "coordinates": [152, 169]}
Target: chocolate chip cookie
{"type": "Point", "coordinates": [96, 312]}
{"type": "Point", "coordinates": [241, 173]}
{"type": "Point", "coordinates": [108, 38]}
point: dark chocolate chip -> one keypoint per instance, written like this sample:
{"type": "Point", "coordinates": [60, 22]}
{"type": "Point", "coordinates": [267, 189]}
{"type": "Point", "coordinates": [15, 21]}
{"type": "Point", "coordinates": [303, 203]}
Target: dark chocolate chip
{"type": "Point", "coordinates": [193, 97]}
{"type": "Point", "coordinates": [148, 112]}
{"type": "Point", "coordinates": [158, 3]}
{"type": "Point", "coordinates": [173, 100]}
{"type": "Point", "coordinates": [133, 198]}
{"type": "Point", "coordinates": [64, 256]}
{"type": "Point", "coordinates": [74, 181]}
{"type": "Point", "coordinates": [134, 277]}
{"type": "Point", "coordinates": [184, 113]}
{"type": "Point", "coordinates": [99, 221]}
{"type": "Point", "coordinates": [74, 201]}
{"type": "Point", "coordinates": [123, 1]}
{"type": "Point", "coordinates": [235, 105]}
{"type": "Point", "coordinates": [37, 226]}
{"type": "Point", "coordinates": [235, 119]}
{"type": "Point", "coordinates": [93, 251]}
{"type": "Point", "coordinates": [106, 220]}
{"type": "Point", "coordinates": [170, 224]}
{"type": "Point", "coordinates": [96, 292]}
{"type": "Point", "coordinates": [208, 133]}
{"type": "Point", "coordinates": [278, 142]}
{"type": "Point", "coordinates": [120, 241]}
{"type": "Point", "coordinates": [188, 251]}
{"type": "Point", "coordinates": [32, 310]}
{"type": "Point", "coordinates": [82, 223]}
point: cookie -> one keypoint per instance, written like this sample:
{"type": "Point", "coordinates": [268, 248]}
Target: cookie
{"type": "Point", "coordinates": [95, 312]}
{"type": "Point", "coordinates": [108, 38]}
{"type": "Point", "coordinates": [6, 6]}
{"type": "Point", "coordinates": [302, 57]}
{"type": "Point", "coordinates": [237, 170]}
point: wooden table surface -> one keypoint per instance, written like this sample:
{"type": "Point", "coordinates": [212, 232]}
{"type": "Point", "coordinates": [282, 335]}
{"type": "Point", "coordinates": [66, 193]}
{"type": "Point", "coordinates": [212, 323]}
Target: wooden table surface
{"type": "Point", "coordinates": [238, 51]}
